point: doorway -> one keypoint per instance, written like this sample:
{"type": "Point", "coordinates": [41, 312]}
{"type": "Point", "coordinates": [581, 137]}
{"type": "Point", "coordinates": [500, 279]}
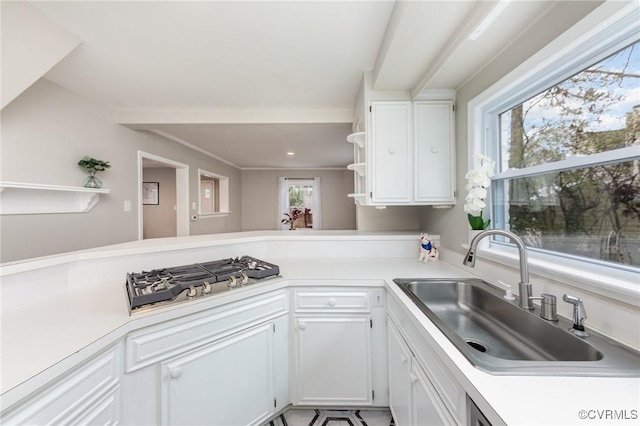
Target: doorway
{"type": "Point", "coordinates": [166, 169]}
{"type": "Point", "coordinates": [300, 203]}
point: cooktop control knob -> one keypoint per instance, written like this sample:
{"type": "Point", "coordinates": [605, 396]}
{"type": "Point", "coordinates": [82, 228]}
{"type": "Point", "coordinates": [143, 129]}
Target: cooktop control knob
{"type": "Point", "coordinates": [233, 282]}
{"type": "Point", "coordinates": [244, 279]}
{"type": "Point", "coordinates": [191, 292]}
{"type": "Point", "coordinates": [252, 264]}
{"type": "Point", "coordinates": [206, 287]}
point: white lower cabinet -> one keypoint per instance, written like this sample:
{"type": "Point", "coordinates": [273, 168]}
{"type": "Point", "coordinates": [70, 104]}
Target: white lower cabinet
{"type": "Point", "coordinates": [339, 347]}
{"type": "Point", "coordinates": [399, 377]}
{"type": "Point", "coordinates": [225, 366]}
{"type": "Point", "coordinates": [427, 406]}
{"type": "Point", "coordinates": [228, 382]}
{"type": "Point", "coordinates": [333, 360]}
{"type": "Point", "coordinates": [413, 398]}
{"type": "Point", "coordinates": [88, 395]}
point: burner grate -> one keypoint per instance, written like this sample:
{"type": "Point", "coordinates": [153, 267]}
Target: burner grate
{"type": "Point", "coordinates": [179, 283]}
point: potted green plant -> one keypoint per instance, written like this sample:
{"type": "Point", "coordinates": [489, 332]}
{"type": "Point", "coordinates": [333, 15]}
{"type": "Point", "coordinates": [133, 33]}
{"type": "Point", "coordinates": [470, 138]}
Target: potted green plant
{"type": "Point", "coordinates": [93, 166]}
{"type": "Point", "coordinates": [290, 218]}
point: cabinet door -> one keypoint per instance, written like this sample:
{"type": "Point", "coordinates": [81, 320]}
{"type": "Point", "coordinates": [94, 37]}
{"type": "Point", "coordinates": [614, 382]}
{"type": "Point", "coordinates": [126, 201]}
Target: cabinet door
{"type": "Point", "coordinates": [228, 382]}
{"type": "Point", "coordinates": [427, 407]}
{"type": "Point", "coordinates": [88, 394]}
{"type": "Point", "coordinates": [391, 153]}
{"type": "Point", "coordinates": [399, 377]}
{"type": "Point", "coordinates": [333, 360]}
{"type": "Point", "coordinates": [434, 157]}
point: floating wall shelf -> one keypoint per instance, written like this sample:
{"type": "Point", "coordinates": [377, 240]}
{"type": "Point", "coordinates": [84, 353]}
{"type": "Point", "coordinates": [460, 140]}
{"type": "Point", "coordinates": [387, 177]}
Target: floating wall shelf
{"type": "Point", "coordinates": [358, 168]}
{"type": "Point", "coordinates": [357, 138]}
{"type": "Point", "coordinates": [359, 198]}
{"type": "Point", "coordinates": [29, 198]}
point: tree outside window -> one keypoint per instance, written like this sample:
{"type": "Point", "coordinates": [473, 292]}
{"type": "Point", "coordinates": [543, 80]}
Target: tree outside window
{"type": "Point", "coordinates": [591, 211]}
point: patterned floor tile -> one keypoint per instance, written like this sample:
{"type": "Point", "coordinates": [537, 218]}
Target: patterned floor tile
{"type": "Point", "coordinates": [333, 417]}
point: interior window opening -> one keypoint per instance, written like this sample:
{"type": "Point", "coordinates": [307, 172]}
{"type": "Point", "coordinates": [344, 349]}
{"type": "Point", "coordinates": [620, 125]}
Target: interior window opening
{"type": "Point", "coordinates": [214, 194]}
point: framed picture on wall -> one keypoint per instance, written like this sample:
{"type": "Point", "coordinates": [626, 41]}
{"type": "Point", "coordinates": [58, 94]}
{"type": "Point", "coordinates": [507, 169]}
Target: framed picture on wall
{"type": "Point", "coordinates": [150, 192]}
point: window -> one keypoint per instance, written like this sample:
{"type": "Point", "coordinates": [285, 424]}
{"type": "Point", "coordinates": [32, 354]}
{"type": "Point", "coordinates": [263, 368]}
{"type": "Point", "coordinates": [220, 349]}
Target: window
{"type": "Point", "coordinates": [580, 203]}
{"type": "Point", "coordinates": [214, 194]}
{"type": "Point", "coordinates": [299, 203]}
{"type": "Point", "coordinates": [564, 128]}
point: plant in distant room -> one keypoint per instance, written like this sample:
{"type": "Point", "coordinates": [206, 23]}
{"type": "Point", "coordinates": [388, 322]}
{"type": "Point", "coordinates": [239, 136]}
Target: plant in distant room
{"type": "Point", "coordinates": [93, 166]}
{"type": "Point", "coordinates": [290, 218]}
{"type": "Point", "coordinates": [478, 180]}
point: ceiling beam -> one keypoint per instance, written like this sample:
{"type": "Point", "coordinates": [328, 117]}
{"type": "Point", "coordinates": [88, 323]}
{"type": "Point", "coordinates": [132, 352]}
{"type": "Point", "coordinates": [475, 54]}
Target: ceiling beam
{"type": "Point", "coordinates": [469, 24]}
{"type": "Point", "coordinates": [396, 19]}
{"type": "Point", "coordinates": [131, 118]}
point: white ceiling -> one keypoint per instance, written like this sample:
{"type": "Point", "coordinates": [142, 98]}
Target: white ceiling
{"type": "Point", "coordinates": [249, 81]}
{"type": "Point", "coordinates": [315, 145]}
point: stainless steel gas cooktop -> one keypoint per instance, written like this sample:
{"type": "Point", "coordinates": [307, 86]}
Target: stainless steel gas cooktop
{"type": "Point", "coordinates": [167, 286]}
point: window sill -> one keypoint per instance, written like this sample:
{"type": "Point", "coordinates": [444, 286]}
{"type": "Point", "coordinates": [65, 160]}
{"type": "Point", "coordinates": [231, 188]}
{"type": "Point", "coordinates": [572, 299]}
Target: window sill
{"type": "Point", "coordinates": [210, 215]}
{"type": "Point", "coordinates": [613, 283]}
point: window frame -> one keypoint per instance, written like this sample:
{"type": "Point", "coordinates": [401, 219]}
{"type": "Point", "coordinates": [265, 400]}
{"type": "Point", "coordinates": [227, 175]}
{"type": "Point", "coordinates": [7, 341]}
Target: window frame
{"type": "Point", "coordinates": [606, 30]}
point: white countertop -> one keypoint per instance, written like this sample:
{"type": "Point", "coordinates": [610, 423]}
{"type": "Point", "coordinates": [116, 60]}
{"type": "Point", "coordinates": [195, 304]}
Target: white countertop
{"type": "Point", "coordinates": [43, 339]}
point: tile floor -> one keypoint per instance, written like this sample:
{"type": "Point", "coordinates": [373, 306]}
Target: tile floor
{"type": "Point", "coordinates": [328, 417]}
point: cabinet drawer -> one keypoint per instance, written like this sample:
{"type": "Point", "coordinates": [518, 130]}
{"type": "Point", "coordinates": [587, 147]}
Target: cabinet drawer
{"type": "Point", "coordinates": [104, 411]}
{"type": "Point", "coordinates": [332, 301]}
{"type": "Point", "coordinates": [156, 343]}
{"type": "Point", "coordinates": [76, 392]}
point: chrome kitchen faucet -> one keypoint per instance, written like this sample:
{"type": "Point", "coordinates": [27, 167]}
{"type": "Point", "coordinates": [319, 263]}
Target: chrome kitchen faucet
{"type": "Point", "coordinates": [524, 285]}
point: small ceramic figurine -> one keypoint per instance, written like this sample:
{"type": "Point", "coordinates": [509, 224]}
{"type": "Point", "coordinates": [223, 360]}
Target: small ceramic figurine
{"type": "Point", "coordinates": [428, 252]}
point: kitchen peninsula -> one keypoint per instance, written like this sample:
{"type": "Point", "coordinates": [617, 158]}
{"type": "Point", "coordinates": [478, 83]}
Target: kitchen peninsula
{"type": "Point", "coordinates": [64, 312]}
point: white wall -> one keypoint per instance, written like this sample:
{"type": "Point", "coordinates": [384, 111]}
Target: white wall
{"type": "Point", "coordinates": [260, 194]}
{"type": "Point", "coordinates": [395, 218]}
{"type": "Point", "coordinates": [452, 223]}
{"type": "Point", "coordinates": [159, 220]}
{"type": "Point", "coordinates": [45, 131]}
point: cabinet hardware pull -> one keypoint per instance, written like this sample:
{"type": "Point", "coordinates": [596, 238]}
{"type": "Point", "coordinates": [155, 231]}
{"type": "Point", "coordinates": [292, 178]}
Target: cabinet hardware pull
{"type": "Point", "coordinates": [403, 359]}
{"type": "Point", "coordinates": [414, 378]}
{"type": "Point", "coordinates": [302, 325]}
{"type": "Point", "coordinates": [175, 372]}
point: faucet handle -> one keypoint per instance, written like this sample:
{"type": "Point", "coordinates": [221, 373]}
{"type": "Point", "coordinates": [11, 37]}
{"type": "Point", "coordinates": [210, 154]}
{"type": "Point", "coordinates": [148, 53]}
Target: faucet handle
{"type": "Point", "coordinates": [547, 306]}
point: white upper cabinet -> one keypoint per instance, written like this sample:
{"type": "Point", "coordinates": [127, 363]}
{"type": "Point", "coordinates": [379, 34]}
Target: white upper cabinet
{"type": "Point", "coordinates": [408, 154]}
{"type": "Point", "coordinates": [390, 154]}
{"type": "Point", "coordinates": [434, 160]}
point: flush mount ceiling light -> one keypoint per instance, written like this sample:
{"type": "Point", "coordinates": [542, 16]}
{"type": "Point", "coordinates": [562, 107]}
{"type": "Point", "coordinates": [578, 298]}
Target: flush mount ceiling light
{"type": "Point", "coordinates": [488, 20]}
{"type": "Point", "coordinates": [291, 154]}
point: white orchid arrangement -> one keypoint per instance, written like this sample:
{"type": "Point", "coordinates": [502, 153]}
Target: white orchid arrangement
{"type": "Point", "coordinates": [478, 180]}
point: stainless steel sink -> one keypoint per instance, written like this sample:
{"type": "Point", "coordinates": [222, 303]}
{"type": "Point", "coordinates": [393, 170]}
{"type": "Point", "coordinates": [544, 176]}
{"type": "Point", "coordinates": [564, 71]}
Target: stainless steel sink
{"type": "Point", "coordinates": [499, 337]}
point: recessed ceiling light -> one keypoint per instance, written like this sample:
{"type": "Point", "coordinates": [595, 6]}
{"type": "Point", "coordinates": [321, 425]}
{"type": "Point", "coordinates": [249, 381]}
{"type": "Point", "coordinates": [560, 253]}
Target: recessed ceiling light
{"type": "Point", "coordinates": [291, 154]}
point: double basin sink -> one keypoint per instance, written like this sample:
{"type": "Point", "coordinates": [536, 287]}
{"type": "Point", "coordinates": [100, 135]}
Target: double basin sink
{"type": "Point", "coordinates": [499, 337]}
